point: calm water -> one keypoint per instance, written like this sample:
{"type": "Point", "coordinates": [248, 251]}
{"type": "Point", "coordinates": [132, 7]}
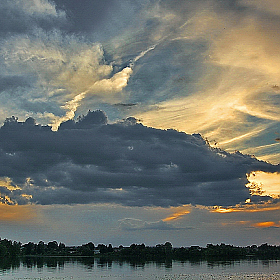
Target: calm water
{"type": "Point", "coordinates": [86, 268]}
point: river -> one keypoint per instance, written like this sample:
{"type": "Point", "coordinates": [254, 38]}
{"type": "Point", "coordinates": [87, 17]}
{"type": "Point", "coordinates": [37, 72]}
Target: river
{"type": "Point", "coordinates": [88, 268]}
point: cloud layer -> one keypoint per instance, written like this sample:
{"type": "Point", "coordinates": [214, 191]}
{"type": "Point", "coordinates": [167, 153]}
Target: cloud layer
{"type": "Point", "coordinates": [204, 67]}
{"type": "Point", "coordinates": [125, 163]}
{"type": "Point", "coordinates": [177, 62]}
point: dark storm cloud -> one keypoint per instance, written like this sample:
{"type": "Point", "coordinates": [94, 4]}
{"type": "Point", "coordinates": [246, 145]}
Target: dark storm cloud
{"type": "Point", "coordinates": [126, 163]}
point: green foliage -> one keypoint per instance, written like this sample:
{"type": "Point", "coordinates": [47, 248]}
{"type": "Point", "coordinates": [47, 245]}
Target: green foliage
{"type": "Point", "coordinates": [160, 252]}
{"type": "Point", "coordinates": [9, 248]}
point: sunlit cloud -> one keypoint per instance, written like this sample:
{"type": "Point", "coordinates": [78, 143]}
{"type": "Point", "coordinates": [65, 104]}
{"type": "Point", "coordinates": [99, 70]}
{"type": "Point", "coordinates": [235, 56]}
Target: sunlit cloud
{"type": "Point", "coordinates": [7, 183]}
{"type": "Point", "coordinates": [272, 157]}
{"type": "Point", "coordinates": [113, 85]}
{"type": "Point", "coordinates": [269, 182]}
{"type": "Point", "coordinates": [232, 100]}
{"type": "Point", "coordinates": [247, 208]}
{"type": "Point", "coordinates": [266, 224]}
{"type": "Point", "coordinates": [240, 93]}
{"type": "Point", "coordinates": [177, 215]}
{"type": "Point", "coordinates": [64, 67]}
{"type": "Point", "coordinates": [206, 67]}
{"type": "Point", "coordinates": [251, 224]}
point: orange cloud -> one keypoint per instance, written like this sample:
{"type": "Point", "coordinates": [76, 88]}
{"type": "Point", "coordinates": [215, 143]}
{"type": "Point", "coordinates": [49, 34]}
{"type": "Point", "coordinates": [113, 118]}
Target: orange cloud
{"type": "Point", "coordinates": [16, 213]}
{"type": "Point", "coordinates": [176, 215]}
{"type": "Point", "coordinates": [266, 224]}
{"type": "Point", "coordinates": [247, 208]}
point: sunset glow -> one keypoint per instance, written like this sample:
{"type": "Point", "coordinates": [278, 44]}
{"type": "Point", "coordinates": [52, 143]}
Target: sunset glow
{"type": "Point", "coordinates": [157, 118]}
{"type": "Point", "coordinates": [269, 182]}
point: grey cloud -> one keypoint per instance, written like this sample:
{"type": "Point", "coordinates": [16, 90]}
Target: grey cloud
{"type": "Point", "coordinates": [21, 17]}
{"type": "Point", "coordinates": [126, 163]}
{"type": "Point", "coordinates": [84, 15]}
{"type": "Point", "coordinates": [163, 73]}
{"type": "Point", "coordinates": [171, 70]}
{"type": "Point", "coordinates": [14, 81]}
{"type": "Point", "coordinates": [91, 160]}
{"type": "Point", "coordinates": [130, 224]}
{"type": "Point", "coordinates": [40, 106]}
{"type": "Point", "coordinates": [99, 19]}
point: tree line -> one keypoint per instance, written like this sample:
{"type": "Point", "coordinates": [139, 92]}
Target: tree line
{"type": "Point", "coordinates": [163, 252]}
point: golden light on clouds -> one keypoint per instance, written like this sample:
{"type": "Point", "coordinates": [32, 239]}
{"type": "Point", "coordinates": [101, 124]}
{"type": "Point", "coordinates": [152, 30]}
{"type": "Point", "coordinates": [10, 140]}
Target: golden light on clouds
{"type": "Point", "coordinates": [178, 212]}
{"type": "Point", "coordinates": [70, 72]}
{"type": "Point", "coordinates": [239, 86]}
{"type": "Point", "coordinates": [7, 183]}
{"type": "Point", "coordinates": [247, 208]}
{"type": "Point", "coordinates": [251, 224]}
{"type": "Point", "coordinates": [224, 210]}
{"type": "Point", "coordinates": [266, 224]}
{"type": "Point", "coordinates": [176, 216]}
{"type": "Point", "coordinates": [16, 213]}
{"type": "Point", "coordinates": [269, 182]}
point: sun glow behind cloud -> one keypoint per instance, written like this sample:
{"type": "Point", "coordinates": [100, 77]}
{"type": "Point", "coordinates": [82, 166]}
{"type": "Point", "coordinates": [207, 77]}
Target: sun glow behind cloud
{"type": "Point", "coordinates": [247, 208]}
{"type": "Point", "coordinates": [209, 67]}
{"type": "Point", "coordinates": [234, 98]}
{"type": "Point", "coordinates": [268, 182]}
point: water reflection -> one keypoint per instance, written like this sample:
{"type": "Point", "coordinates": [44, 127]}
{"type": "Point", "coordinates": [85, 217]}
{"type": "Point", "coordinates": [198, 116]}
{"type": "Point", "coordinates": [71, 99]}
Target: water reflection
{"type": "Point", "coordinates": [226, 263]}
{"type": "Point", "coordinates": [88, 263]}
{"type": "Point", "coordinates": [6, 264]}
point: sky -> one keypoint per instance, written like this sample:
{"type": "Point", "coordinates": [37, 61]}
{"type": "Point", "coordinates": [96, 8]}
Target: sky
{"type": "Point", "coordinates": [140, 121]}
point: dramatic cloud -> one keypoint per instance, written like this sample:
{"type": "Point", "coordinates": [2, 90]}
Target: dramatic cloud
{"type": "Point", "coordinates": [68, 70]}
{"type": "Point", "coordinates": [47, 70]}
{"type": "Point", "coordinates": [234, 98]}
{"type": "Point", "coordinates": [206, 67]}
{"type": "Point", "coordinates": [124, 163]}
{"type": "Point", "coordinates": [268, 183]}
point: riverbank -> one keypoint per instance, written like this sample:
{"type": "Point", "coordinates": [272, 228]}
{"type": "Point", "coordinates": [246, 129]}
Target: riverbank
{"type": "Point", "coordinates": [160, 252]}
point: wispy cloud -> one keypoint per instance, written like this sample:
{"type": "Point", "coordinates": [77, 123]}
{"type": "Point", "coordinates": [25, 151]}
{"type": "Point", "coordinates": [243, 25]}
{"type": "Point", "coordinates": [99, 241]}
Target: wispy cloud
{"type": "Point", "coordinates": [207, 67]}
{"type": "Point", "coordinates": [177, 215]}
{"type": "Point", "coordinates": [268, 224]}
{"type": "Point", "coordinates": [235, 97]}
{"type": "Point", "coordinates": [272, 205]}
{"type": "Point", "coordinates": [214, 65]}
{"type": "Point", "coordinates": [136, 224]}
